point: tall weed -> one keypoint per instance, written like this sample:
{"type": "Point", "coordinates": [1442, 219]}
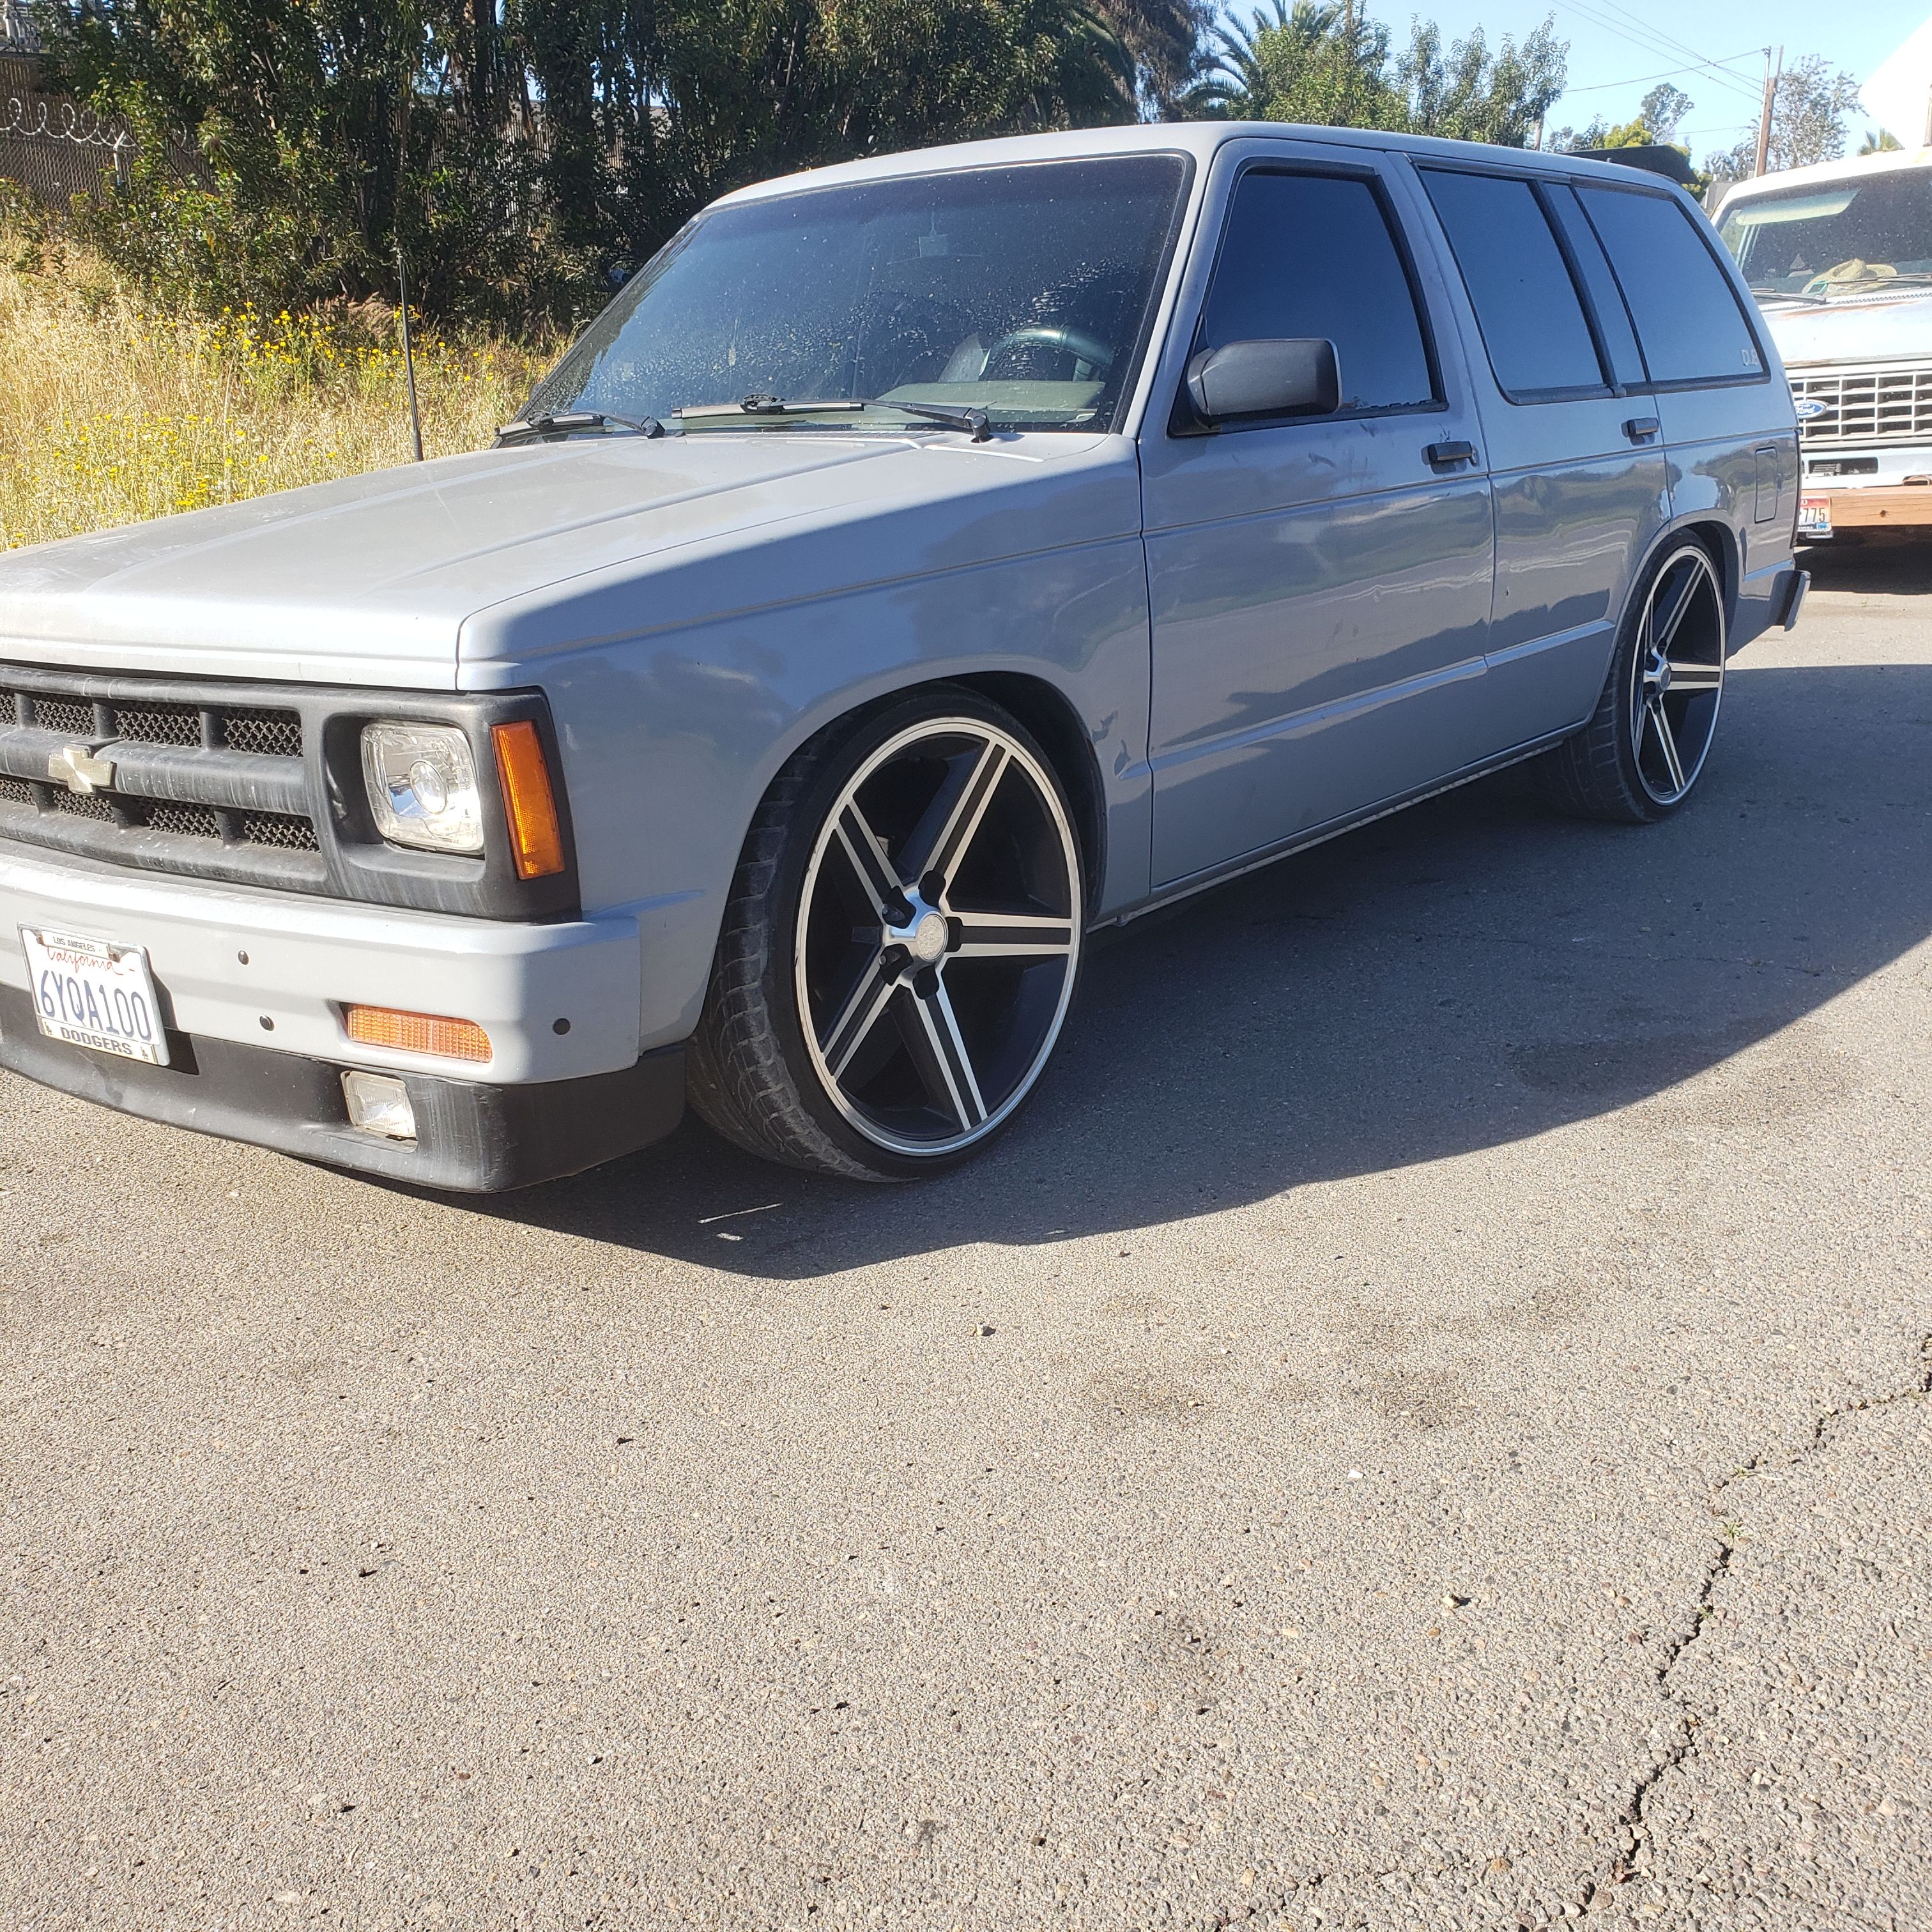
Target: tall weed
{"type": "Point", "coordinates": [111, 412]}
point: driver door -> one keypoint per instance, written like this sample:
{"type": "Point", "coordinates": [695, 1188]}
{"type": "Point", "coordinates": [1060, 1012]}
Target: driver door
{"type": "Point", "coordinates": [1320, 588]}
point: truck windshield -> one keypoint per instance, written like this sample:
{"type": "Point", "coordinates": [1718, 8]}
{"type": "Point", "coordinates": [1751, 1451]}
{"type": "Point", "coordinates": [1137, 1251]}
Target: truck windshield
{"type": "Point", "coordinates": [1842, 239]}
{"type": "Point", "coordinates": [1020, 291]}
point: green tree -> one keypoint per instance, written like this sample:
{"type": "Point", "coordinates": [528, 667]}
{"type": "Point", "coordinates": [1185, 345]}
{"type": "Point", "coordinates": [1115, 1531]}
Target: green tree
{"type": "Point", "coordinates": [519, 148]}
{"type": "Point", "coordinates": [1884, 142]}
{"type": "Point", "coordinates": [1324, 62]}
{"type": "Point", "coordinates": [1809, 108]}
{"type": "Point", "coordinates": [1663, 110]}
{"type": "Point", "coordinates": [1467, 94]}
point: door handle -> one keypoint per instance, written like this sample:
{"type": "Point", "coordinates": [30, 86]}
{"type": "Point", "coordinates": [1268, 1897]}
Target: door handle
{"type": "Point", "coordinates": [1440, 455]}
{"type": "Point", "coordinates": [1641, 429]}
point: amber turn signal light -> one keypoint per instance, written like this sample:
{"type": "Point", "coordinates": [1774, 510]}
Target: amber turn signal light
{"type": "Point", "coordinates": [416, 1032]}
{"type": "Point", "coordinates": [536, 838]}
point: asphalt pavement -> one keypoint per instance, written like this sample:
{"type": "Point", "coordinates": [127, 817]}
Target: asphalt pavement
{"type": "Point", "coordinates": [1427, 1423]}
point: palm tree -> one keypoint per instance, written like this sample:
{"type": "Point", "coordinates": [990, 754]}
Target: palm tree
{"type": "Point", "coordinates": [1233, 79]}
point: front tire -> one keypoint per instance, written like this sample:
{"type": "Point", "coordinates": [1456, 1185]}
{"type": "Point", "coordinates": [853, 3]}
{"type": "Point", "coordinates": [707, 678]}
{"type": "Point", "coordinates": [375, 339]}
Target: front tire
{"type": "Point", "coordinates": [1636, 760]}
{"type": "Point", "coordinates": [900, 948]}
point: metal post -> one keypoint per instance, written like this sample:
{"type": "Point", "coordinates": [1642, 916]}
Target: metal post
{"type": "Point", "coordinates": [408, 354]}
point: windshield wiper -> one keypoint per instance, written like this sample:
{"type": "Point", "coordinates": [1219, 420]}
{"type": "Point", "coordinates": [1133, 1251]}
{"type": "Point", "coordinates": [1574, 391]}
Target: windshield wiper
{"type": "Point", "coordinates": [955, 415]}
{"type": "Point", "coordinates": [573, 420]}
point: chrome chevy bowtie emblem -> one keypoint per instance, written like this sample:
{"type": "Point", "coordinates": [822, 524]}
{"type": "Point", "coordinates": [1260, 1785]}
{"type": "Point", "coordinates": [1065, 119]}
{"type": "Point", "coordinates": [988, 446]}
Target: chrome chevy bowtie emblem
{"type": "Point", "coordinates": [77, 768]}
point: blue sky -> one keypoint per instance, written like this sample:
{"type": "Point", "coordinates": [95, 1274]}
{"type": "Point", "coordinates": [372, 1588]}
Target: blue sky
{"type": "Point", "coordinates": [1619, 47]}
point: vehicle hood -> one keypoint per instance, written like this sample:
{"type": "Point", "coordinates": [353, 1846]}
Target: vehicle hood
{"type": "Point", "coordinates": [1894, 328]}
{"type": "Point", "coordinates": [454, 574]}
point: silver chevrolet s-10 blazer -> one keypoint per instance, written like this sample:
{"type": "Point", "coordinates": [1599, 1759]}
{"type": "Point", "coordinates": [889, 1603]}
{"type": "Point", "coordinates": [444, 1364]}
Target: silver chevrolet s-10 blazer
{"type": "Point", "coordinates": [921, 563]}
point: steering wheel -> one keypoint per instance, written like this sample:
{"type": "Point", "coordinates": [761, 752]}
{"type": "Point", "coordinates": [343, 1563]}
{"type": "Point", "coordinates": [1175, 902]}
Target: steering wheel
{"type": "Point", "coordinates": [1087, 349]}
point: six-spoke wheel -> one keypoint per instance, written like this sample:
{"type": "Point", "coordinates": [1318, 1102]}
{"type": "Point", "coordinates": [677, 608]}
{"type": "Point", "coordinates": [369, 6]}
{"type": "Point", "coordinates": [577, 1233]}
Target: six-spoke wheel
{"type": "Point", "coordinates": [905, 939]}
{"type": "Point", "coordinates": [1640, 754]}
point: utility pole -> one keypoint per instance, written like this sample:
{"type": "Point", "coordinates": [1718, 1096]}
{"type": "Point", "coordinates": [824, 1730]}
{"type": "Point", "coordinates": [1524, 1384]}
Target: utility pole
{"type": "Point", "coordinates": [1771, 81]}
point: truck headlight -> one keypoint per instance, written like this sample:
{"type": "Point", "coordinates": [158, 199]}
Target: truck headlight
{"type": "Point", "coordinates": [422, 787]}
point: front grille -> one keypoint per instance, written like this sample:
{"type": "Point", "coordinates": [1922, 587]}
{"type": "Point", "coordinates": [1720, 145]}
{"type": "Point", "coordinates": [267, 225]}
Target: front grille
{"type": "Point", "coordinates": [52, 714]}
{"type": "Point", "coordinates": [184, 821]}
{"type": "Point", "coordinates": [195, 785]}
{"type": "Point", "coordinates": [77, 806]}
{"type": "Point", "coordinates": [158, 724]}
{"type": "Point", "coordinates": [254, 784]}
{"type": "Point", "coordinates": [1887, 404]}
{"type": "Point", "coordinates": [270, 734]}
{"type": "Point", "coordinates": [285, 831]}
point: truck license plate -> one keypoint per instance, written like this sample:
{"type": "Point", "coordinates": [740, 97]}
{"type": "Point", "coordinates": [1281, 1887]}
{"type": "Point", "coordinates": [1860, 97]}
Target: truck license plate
{"type": "Point", "coordinates": [91, 994]}
{"type": "Point", "coordinates": [1814, 516]}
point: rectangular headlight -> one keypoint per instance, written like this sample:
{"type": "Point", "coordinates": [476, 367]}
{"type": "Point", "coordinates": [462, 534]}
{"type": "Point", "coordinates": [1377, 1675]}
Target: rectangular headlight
{"type": "Point", "coordinates": [422, 787]}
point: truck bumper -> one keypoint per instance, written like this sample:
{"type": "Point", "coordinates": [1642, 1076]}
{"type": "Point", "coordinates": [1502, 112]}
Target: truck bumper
{"type": "Point", "coordinates": [1907, 507]}
{"type": "Point", "coordinates": [253, 986]}
{"type": "Point", "coordinates": [470, 1138]}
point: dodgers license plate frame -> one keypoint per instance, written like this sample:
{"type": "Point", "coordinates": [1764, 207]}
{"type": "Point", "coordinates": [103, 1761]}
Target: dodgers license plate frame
{"type": "Point", "coordinates": [95, 994]}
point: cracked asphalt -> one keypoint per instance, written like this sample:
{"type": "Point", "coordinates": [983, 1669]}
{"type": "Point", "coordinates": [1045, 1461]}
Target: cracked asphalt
{"type": "Point", "coordinates": [1426, 1423]}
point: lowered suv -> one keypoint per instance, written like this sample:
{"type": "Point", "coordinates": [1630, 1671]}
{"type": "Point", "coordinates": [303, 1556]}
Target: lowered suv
{"type": "Point", "coordinates": [920, 564]}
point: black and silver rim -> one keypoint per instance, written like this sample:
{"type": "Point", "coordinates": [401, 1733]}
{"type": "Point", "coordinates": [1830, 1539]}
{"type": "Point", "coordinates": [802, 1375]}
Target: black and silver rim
{"type": "Point", "coordinates": [938, 936]}
{"type": "Point", "coordinates": [1677, 679]}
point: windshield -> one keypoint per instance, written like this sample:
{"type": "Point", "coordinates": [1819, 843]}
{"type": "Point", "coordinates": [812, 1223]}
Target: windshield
{"type": "Point", "coordinates": [1023, 291]}
{"type": "Point", "coordinates": [1850, 238]}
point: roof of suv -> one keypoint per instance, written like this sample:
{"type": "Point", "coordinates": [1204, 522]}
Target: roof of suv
{"type": "Point", "coordinates": [1197, 138]}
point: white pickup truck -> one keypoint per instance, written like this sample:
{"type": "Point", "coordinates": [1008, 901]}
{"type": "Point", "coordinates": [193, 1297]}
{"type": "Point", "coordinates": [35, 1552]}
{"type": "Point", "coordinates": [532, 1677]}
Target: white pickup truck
{"type": "Point", "coordinates": [1839, 258]}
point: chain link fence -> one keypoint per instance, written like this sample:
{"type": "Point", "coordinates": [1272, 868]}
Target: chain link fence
{"type": "Point", "coordinates": [52, 147]}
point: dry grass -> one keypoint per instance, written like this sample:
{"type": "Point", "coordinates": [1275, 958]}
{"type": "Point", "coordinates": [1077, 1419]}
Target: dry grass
{"type": "Point", "coordinates": [109, 413]}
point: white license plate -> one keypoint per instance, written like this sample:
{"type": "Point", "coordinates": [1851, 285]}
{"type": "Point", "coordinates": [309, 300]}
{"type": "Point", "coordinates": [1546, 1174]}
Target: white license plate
{"type": "Point", "coordinates": [1814, 516]}
{"type": "Point", "coordinates": [94, 994]}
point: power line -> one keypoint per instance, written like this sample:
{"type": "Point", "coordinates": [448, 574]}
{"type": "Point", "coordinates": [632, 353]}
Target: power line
{"type": "Point", "coordinates": [1669, 39]}
{"type": "Point", "coordinates": [1657, 44]}
{"type": "Point", "coordinates": [1669, 73]}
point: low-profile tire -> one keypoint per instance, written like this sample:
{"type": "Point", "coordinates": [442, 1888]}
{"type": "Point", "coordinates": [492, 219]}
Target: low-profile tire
{"type": "Point", "coordinates": [900, 947]}
{"type": "Point", "coordinates": [1637, 759]}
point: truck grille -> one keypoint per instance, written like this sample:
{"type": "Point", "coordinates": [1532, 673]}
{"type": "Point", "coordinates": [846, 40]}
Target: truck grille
{"type": "Point", "coordinates": [212, 789]}
{"type": "Point", "coordinates": [1880, 405]}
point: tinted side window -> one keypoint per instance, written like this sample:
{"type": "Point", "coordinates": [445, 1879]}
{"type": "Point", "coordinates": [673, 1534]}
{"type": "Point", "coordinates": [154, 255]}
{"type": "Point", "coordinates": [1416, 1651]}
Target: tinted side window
{"type": "Point", "coordinates": [1531, 320]}
{"type": "Point", "coordinates": [1313, 255]}
{"type": "Point", "coordinates": [1613, 319]}
{"type": "Point", "coordinates": [1687, 317]}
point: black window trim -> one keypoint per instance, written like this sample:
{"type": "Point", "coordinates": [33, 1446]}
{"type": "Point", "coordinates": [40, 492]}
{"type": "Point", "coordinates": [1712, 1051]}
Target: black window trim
{"type": "Point", "coordinates": [1541, 185]}
{"type": "Point", "coordinates": [1566, 393]}
{"type": "Point", "coordinates": [1719, 260]}
{"type": "Point", "coordinates": [1182, 422]}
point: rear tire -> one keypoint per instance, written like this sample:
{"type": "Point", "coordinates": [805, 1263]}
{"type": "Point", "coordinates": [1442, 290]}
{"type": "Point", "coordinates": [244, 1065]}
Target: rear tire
{"type": "Point", "coordinates": [1637, 759]}
{"type": "Point", "coordinates": [900, 947]}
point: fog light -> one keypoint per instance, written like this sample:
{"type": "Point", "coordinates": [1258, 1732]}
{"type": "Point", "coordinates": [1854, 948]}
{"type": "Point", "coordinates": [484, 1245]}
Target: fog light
{"type": "Point", "coordinates": [379, 1104]}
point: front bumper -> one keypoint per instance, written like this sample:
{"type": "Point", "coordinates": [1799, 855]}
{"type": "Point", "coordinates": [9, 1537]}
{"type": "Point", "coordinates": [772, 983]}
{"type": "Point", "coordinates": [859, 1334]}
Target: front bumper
{"type": "Point", "coordinates": [252, 986]}
{"type": "Point", "coordinates": [470, 1138]}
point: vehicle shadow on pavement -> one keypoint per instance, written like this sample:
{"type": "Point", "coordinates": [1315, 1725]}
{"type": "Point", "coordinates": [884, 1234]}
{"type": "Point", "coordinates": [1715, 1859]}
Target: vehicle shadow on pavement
{"type": "Point", "coordinates": [1458, 976]}
{"type": "Point", "coordinates": [1883, 562]}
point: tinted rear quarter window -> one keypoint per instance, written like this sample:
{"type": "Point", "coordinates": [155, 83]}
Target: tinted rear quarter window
{"type": "Point", "coordinates": [1613, 317]}
{"type": "Point", "coordinates": [1525, 303]}
{"type": "Point", "coordinates": [1312, 255]}
{"type": "Point", "coordinates": [1687, 318]}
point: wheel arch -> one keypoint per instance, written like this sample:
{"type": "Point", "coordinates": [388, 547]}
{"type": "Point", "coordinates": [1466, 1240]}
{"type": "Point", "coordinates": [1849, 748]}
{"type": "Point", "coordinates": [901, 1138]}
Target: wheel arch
{"type": "Point", "coordinates": [1719, 540]}
{"type": "Point", "coordinates": [1049, 714]}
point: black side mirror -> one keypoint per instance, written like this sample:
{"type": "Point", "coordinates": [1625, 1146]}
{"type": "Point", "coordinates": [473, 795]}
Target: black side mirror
{"type": "Point", "coordinates": [1293, 376]}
